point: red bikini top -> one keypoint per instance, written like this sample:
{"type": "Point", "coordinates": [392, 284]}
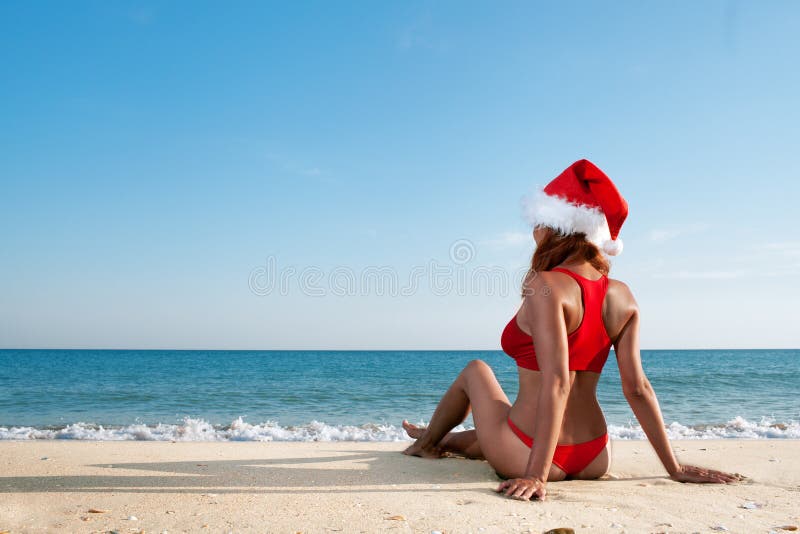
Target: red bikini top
{"type": "Point", "coordinates": [589, 344]}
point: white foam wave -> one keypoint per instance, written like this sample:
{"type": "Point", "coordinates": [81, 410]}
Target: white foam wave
{"type": "Point", "coordinates": [200, 430]}
{"type": "Point", "coordinates": [736, 428]}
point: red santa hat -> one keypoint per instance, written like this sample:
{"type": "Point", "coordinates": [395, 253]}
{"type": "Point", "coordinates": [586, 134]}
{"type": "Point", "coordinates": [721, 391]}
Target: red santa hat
{"type": "Point", "coordinates": [581, 199]}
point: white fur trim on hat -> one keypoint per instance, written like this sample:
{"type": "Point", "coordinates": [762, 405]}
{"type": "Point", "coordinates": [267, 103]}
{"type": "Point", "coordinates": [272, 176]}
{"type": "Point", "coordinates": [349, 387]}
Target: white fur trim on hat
{"type": "Point", "coordinates": [569, 218]}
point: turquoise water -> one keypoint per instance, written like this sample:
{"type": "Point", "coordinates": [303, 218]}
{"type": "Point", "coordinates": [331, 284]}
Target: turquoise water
{"type": "Point", "coordinates": [306, 395]}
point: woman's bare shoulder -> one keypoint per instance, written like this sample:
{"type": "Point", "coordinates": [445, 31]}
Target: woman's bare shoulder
{"type": "Point", "coordinates": [619, 289]}
{"type": "Point", "coordinates": [547, 283]}
{"type": "Point", "coordinates": [620, 302]}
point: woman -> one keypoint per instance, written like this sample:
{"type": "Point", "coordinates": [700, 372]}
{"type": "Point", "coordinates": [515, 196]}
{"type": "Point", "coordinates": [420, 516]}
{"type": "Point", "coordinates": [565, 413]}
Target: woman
{"type": "Point", "coordinates": [571, 315]}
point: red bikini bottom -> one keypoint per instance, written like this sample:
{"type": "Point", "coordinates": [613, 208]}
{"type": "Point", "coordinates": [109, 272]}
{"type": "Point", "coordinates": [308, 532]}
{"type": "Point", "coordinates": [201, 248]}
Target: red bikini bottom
{"type": "Point", "coordinates": [571, 458]}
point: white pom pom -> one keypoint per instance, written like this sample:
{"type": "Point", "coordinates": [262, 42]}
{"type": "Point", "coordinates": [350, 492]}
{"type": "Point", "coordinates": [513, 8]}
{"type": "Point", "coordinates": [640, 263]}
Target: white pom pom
{"type": "Point", "coordinates": [613, 248]}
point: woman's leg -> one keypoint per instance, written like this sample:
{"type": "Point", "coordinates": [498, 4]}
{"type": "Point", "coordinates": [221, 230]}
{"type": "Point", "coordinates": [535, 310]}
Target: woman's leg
{"type": "Point", "coordinates": [476, 381]}
{"type": "Point", "coordinates": [451, 411]}
{"type": "Point", "coordinates": [462, 443]}
{"type": "Point", "coordinates": [476, 388]}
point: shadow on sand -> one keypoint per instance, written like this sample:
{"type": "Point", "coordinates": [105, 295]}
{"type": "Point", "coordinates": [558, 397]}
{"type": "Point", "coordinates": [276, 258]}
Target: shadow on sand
{"type": "Point", "coordinates": [360, 470]}
{"type": "Point", "coordinates": [346, 471]}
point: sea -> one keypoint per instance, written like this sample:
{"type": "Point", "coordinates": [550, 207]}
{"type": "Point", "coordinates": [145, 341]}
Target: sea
{"type": "Point", "coordinates": [200, 395]}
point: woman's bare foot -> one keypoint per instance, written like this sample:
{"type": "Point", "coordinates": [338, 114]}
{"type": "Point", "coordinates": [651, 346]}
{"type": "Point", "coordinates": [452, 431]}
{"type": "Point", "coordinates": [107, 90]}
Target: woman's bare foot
{"type": "Point", "coordinates": [415, 449]}
{"type": "Point", "coordinates": [413, 431]}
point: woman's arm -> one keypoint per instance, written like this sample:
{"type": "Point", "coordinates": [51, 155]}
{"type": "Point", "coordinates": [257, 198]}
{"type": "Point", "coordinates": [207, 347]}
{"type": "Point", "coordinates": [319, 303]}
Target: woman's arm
{"type": "Point", "coordinates": [544, 316]}
{"type": "Point", "coordinates": [639, 393]}
{"type": "Point", "coordinates": [642, 399]}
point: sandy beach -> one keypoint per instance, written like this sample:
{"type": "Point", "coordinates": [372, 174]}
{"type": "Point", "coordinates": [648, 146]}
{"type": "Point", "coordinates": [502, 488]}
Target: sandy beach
{"type": "Point", "coordinates": [77, 486]}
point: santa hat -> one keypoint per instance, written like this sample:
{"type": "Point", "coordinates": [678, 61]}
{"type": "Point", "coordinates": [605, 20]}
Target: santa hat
{"type": "Point", "coordinates": [581, 199]}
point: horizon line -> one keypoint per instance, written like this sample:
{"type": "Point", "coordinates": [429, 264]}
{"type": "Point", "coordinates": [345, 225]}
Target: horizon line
{"type": "Point", "coordinates": [350, 350]}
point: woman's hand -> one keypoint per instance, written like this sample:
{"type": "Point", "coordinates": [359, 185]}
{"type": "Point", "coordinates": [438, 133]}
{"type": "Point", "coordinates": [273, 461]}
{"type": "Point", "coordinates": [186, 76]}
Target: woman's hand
{"type": "Point", "coordinates": [524, 489]}
{"type": "Point", "coordinates": [692, 473]}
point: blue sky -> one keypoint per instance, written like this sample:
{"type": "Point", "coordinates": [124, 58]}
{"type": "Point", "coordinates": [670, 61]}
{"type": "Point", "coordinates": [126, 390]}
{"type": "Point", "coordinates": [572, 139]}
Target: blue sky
{"type": "Point", "coordinates": [156, 157]}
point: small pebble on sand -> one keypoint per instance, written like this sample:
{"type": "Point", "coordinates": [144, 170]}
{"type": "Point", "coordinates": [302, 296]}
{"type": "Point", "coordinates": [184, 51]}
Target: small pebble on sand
{"type": "Point", "coordinates": [132, 518]}
{"type": "Point", "coordinates": [720, 527]}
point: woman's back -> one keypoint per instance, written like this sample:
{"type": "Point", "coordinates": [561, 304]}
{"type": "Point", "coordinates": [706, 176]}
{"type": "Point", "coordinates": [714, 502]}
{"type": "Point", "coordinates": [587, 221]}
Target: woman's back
{"type": "Point", "coordinates": [583, 418]}
{"type": "Point", "coordinates": [588, 343]}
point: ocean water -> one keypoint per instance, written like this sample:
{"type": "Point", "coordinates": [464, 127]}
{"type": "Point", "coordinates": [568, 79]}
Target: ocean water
{"type": "Point", "coordinates": [356, 395]}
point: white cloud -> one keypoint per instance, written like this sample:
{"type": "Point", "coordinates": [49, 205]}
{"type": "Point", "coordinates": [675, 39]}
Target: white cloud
{"type": "Point", "coordinates": [421, 34]}
{"type": "Point", "coordinates": [702, 275]}
{"type": "Point", "coordinates": [309, 171]}
{"type": "Point", "coordinates": [509, 240]}
{"type": "Point", "coordinates": [664, 234]}
{"type": "Point", "coordinates": [789, 248]}
{"type": "Point", "coordinates": [297, 168]}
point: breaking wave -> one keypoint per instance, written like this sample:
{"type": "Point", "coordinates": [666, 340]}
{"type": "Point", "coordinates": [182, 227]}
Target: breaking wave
{"type": "Point", "coordinates": [192, 429]}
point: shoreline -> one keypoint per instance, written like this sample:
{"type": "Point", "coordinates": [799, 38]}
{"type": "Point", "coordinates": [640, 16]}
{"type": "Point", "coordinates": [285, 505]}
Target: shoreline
{"type": "Point", "coordinates": [195, 429]}
{"type": "Point", "coordinates": [243, 486]}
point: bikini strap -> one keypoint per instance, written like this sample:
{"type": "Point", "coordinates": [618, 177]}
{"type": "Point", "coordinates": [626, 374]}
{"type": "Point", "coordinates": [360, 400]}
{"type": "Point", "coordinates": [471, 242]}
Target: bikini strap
{"type": "Point", "coordinates": [576, 276]}
{"type": "Point", "coordinates": [593, 292]}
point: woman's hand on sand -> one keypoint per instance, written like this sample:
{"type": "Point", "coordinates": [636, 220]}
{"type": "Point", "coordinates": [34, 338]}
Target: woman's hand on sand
{"type": "Point", "coordinates": [700, 475]}
{"type": "Point", "coordinates": [524, 489]}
